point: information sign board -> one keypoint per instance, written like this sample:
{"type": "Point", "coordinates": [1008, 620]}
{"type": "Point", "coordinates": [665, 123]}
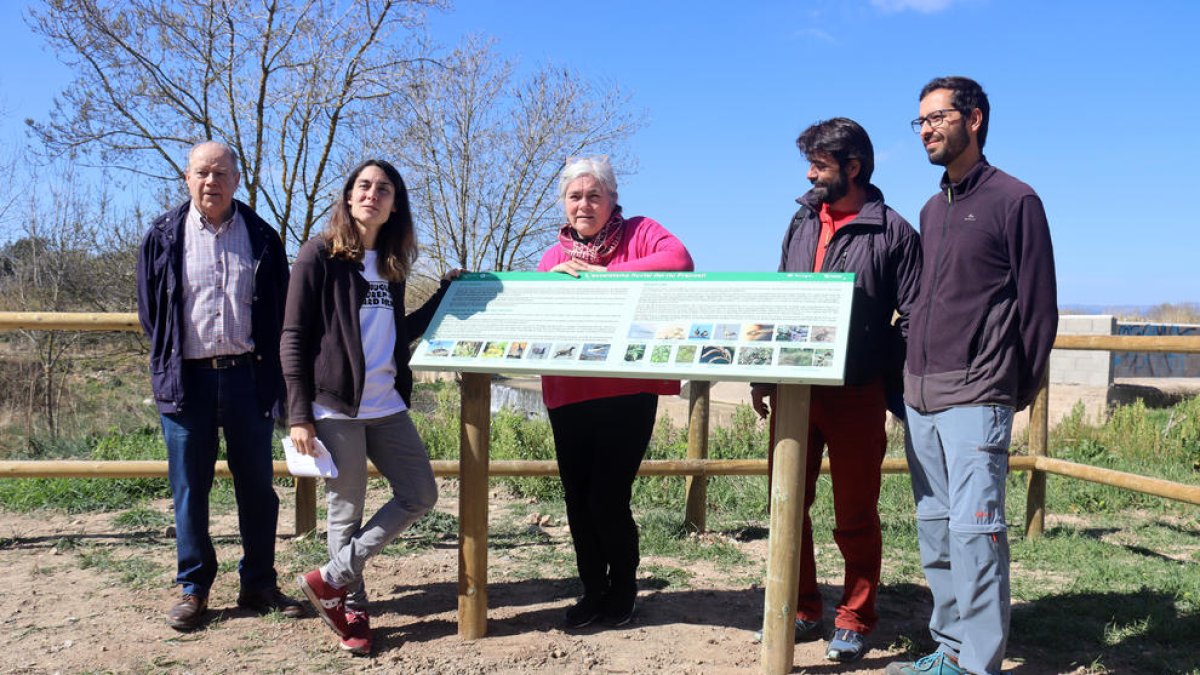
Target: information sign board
{"type": "Point", "coordinates": [755, 327]}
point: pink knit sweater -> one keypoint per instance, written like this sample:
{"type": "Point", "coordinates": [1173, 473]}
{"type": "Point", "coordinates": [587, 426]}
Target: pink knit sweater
{"type": "Point", "coordinates": [646, 246]}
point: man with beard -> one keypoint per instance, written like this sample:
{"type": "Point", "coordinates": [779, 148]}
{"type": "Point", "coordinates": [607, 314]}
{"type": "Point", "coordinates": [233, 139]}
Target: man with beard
{"type": "Point", "coordinates": [978, 347]}
{"type": "Point", "coordinates": [843, 225]}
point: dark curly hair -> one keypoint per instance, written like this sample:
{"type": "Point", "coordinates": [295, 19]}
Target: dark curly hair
{"type": "Point", "coordinates": [966, 95]}
{"type": "Point", "coordinates": [843, 139]}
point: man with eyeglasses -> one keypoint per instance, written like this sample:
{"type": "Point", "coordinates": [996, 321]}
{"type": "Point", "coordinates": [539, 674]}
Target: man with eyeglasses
{"type": "Point", "coordinates": [211, 280]}
{"type": "Point", "coordinates": [978, 345]}
{"type": "Point", "coordinates": [843, 225]}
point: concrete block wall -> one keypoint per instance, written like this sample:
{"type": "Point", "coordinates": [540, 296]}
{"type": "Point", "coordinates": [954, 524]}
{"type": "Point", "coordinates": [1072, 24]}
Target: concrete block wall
{"type": "Point", "coordinates": [1083, 367]}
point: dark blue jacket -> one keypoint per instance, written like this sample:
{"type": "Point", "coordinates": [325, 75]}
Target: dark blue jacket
{"type": "Point", "coordinates": [884, 253]}
{"type": "Point", "coordinates": [988, 308]}
{"type": "Point", "coordinates": [160, 306]}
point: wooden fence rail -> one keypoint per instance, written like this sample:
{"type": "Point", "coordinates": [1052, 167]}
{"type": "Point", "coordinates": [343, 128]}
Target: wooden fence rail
{"type": "Point", "coordinates": [443, 468]}
{"type": "Point", "coordinates": [449, 468]}
{"type": "Point", "coordinates": [1039, 427]}
{"type": "Point", "coordinates": [84, 321]}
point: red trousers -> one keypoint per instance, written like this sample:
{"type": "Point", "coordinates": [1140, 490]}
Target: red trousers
{"type": "Point", "coordinates": [849, 421]}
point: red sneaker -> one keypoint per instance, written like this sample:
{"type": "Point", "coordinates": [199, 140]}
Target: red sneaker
{"type": "Point", "coordinates": [358, 642]}
{"type": "Point", "coordinates": [329, 602]}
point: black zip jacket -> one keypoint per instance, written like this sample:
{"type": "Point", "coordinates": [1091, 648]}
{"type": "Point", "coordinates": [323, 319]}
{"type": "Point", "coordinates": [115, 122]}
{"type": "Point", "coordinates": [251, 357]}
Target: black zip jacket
{"type": "Point", "coordinates": [987, 312]}
{"type": "Point", "coordinates": [160, 306]}
{"type": "Point", "coordinates": [884, 253]}
{"type": "Point", "coordinates": [321, 348]}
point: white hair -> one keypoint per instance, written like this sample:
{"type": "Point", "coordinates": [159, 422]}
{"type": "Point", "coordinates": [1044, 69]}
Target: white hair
{"type": "Point", "coordinates": [224, 148]}
{"type": "Point", "coordinates": [597, 167]}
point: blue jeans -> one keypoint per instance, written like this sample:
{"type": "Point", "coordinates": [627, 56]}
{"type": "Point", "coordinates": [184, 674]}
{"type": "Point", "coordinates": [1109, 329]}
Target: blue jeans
{"type": "Point", "coordinates": [221, 398]}
{"type": "Point", "coordinates": [959, 464]}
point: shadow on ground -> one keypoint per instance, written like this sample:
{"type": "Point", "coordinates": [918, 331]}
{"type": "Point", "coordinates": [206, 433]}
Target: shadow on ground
{"type": "Point", "coordinates": [1139, 632]}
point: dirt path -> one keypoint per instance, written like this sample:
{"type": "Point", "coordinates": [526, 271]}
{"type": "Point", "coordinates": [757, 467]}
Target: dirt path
{"type": "Point", "coordinates": [65, 608]}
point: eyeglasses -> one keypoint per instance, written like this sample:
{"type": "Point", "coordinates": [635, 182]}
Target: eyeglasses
{"type": "Point", "coordinates": [935, 119]}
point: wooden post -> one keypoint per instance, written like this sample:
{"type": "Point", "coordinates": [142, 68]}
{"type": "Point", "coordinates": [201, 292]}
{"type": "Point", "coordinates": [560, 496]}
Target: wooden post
{"type": "Point", "coordinates": [697, 486]}
{"type": "Point", "coordinates": [787, 511]}
{"type": "Point", "coordinates": [473, 505]}
{"type": "Point", "coordinates": [1039, 443]}
{"type": "Point", "coordinates": [306, 505]}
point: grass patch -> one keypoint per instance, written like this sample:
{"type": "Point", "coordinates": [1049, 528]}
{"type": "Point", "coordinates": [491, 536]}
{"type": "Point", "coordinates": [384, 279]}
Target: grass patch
{"type": "Point", "coordinates": [1128, 596]}
{"type": "Point", "coordinates": [143, 518]}
{"type": "Point", "coordinates": [550, 560]}
{"type": "Point", "coordinates": [514, 535]}
{"type": "Point", "coordinates": [668, 576]}
{"type": "Point", "coordinates": [77, 495]}
{"type": "Point", "coordinates": [65, 545]}
{"type": "Point", "coordinates": [665, 534]}
{"type": "Point", "coordinates": [302, 554]}
{"type": "Point", "coordinates": [435, 526]}
{"type": "Point", "coordinates": [135, 571]}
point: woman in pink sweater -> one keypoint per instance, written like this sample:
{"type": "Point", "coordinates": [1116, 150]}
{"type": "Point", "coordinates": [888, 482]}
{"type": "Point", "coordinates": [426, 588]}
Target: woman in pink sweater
{"type": "Point", "coordinates": [603, 425]}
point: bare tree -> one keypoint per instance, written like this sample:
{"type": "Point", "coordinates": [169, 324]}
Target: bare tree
{"type": "Point", "coordinates": [281, 81]}
{"type": "Point", "coordinates": [483, 148]}
{"type": "Point", "coordinates": [67, 252]}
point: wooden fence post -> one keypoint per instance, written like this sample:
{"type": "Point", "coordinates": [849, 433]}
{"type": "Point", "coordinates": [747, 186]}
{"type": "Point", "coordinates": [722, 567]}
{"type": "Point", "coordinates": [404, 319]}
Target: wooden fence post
{"type": "Point", "coordinates": [787, 512]}
{"type": "Point", "coordinates": [1039, 442]}
{"type": "Point", "coordinates": [697, 486]}
{"type": "Point", "coordinates": [306, 504]}
{"type": "Point", "coordinates": [473, 505]}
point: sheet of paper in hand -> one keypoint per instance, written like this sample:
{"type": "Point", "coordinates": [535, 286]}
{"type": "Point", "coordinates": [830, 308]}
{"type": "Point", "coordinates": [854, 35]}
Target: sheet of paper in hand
{"type": "Point", "coordinates": [304, 465]}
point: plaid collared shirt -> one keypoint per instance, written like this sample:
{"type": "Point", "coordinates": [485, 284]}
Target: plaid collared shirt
{"type": "Point", "coordinates": [218, 287]}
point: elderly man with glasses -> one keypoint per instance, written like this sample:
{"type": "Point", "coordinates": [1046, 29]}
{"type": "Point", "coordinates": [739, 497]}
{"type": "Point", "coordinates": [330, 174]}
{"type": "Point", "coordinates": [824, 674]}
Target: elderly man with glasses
{"type": "Point", "coordinates": [211, 281]}
{"type": "Point", "coordinates": [978, 345]}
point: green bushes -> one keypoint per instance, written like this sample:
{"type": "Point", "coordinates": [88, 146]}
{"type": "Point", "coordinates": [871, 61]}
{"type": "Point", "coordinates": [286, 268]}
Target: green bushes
{"type": "Point", "coordinates": [732, 499]}
{"type": "Point", "coordinates": [78, 495]}
{"type": "Point", "coordinates": [514, 437]}
{"type": "Point", "coordinates": [1162, 443]}
{"type": "Point", "coordinates": [435, 414]}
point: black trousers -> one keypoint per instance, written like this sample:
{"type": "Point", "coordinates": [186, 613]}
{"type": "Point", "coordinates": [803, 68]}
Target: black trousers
{"type": "Point", "coordinates": [599, 445]}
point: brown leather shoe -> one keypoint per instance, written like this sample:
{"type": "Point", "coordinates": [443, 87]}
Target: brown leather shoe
{"type": "Point", "coordinates": [270, 599]}
{"type": "Point", "coordinates": [188, 613]}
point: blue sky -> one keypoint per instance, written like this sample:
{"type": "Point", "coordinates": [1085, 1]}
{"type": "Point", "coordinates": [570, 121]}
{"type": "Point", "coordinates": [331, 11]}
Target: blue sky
{"type": "Point", "coordinates": [1091, 103]}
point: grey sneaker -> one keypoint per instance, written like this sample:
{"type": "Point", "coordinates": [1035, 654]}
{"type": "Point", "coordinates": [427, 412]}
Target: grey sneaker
{"type": "Point", "coordinates": [846, 646]}
{"type": "Point", "coordinates": [806, 631]}
{"type": "Point", "coordinates": [937, 663]}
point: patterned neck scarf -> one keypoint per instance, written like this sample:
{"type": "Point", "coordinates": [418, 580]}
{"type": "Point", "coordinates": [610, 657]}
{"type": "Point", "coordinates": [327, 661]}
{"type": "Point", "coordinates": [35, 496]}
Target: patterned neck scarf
{"type": "Point", "coordinates": [598, 249]}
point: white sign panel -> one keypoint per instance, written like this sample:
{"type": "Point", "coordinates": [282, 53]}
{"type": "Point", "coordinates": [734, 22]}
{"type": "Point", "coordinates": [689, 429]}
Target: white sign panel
{"type": "Point", "coordinates": [786, 327]}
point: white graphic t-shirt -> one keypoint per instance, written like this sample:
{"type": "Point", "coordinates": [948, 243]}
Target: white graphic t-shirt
{"type": "Point", "coordinates": [378, 327]}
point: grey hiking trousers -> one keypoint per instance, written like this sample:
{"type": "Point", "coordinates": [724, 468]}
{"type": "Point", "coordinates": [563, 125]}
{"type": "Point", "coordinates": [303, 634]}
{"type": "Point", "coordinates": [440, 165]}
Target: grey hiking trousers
{"type": "Point", "coordinates": [393, 446]}
{"type": "Point", "coordinates": [959, 463]}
